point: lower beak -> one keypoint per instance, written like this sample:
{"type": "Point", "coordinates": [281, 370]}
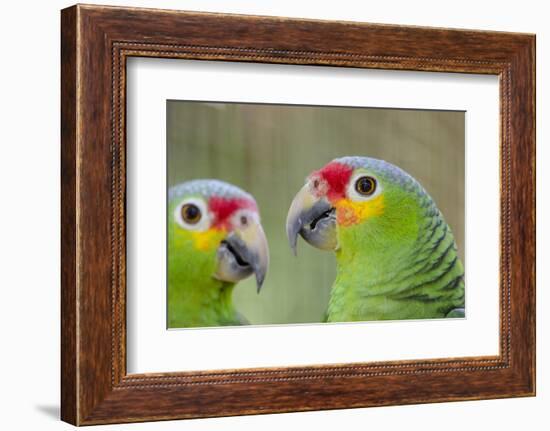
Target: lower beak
{"type": "Point", "coordinates": [244, 252]}
{"type": "Point", "coordinates": [314, 219]}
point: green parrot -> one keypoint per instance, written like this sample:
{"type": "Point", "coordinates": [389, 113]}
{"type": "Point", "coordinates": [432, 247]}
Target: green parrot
{"type": "Point", "coordinates": [215, 239]}
{"type": "Point", "coordinates": [396, 256]}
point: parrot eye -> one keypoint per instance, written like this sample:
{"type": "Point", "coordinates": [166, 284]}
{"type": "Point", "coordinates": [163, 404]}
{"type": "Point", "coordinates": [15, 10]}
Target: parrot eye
{"type": "Point", "coordinates": [365, 186]}
{"type": "Point", "coordinates": [190, 213]}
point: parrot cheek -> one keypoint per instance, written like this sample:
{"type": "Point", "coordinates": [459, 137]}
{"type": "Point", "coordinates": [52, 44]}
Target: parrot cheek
{"type": "Point", "coordinates": [345, 216]}
{"type": "Point", "coordinates": [349, 213]}
{"type": "Point", "coordinates": [207, 240]}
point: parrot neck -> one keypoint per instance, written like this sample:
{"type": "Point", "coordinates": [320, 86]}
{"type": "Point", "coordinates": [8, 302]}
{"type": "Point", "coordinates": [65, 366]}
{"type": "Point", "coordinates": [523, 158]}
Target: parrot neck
{"type": "Point", "coordinates": [411, 273]}
{"type": "Point", "coordinates": [195, 303]}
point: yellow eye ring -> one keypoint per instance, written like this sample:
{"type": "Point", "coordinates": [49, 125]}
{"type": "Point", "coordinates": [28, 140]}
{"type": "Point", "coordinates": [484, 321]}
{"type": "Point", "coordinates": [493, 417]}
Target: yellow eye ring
{"type": "Point", "coordinates": [191, 213]}
{"type": "Point", "coordinates": [365, 186]}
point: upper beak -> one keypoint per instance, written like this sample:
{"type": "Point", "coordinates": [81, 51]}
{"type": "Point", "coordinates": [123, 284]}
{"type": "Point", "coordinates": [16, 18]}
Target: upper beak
{"type": "Point", "coordinates": [314, 219]}
{"type": "Point", "coordinates": [244, 251]}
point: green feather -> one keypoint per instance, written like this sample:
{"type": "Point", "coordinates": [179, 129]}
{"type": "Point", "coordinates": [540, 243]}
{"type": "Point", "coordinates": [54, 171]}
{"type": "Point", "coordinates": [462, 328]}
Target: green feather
{"type": "Point", "coordinates": [401, 264]}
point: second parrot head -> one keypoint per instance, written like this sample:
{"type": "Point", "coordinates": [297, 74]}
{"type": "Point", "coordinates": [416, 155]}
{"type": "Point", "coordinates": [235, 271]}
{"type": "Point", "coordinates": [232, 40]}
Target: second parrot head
{"type": "Point", "coordinates": [356, 203]}
{"type": "Point", "coordinates": [215, 227]}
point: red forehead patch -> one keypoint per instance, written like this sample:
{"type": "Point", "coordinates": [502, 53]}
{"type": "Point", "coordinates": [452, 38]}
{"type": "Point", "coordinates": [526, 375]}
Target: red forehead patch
{"type": "Point", "coordinates": [223, 209]}
{"type": "Point", "coordinates": [337, 176]}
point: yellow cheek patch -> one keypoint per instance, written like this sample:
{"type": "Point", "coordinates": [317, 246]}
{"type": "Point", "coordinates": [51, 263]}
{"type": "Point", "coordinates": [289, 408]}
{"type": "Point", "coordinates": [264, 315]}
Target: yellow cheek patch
{"type": "Point", "coordinates": [349, 213]}
{"type": "Point", "coordinates": [207, 240]}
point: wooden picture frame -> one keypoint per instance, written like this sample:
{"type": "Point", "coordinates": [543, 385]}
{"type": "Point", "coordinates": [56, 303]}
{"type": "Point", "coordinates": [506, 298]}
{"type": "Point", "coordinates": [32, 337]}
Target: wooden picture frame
{"type": "Point", "coordinates": [96, 41]}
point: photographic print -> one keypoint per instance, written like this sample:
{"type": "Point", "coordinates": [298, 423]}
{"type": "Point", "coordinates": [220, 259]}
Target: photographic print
{"type": "Point", "coordinates": [288, 214]}
{"type": "Point", "coordinates": [240, 208]}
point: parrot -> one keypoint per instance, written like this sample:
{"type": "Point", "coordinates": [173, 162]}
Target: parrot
{"type": "Point", "coordinates": [396, 257]}
{"type": "Point", "coordinates": [215, 239]}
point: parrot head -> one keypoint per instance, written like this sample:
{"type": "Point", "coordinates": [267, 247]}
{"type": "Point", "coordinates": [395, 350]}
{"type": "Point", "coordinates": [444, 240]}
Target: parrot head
{"type": "Point", "coordinates": [355, 204]}
{"type": "Point", "coordinates": [215, 233]}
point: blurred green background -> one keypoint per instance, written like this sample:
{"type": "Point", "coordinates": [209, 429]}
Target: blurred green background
{"type": "Point", "coordinates": [268, 150]}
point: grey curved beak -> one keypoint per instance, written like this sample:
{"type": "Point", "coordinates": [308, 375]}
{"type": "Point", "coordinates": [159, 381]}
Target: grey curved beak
{"type": "Point", "coordinates": [313, 219]}
{"type": "Point", "coordinates": [243, 252]}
